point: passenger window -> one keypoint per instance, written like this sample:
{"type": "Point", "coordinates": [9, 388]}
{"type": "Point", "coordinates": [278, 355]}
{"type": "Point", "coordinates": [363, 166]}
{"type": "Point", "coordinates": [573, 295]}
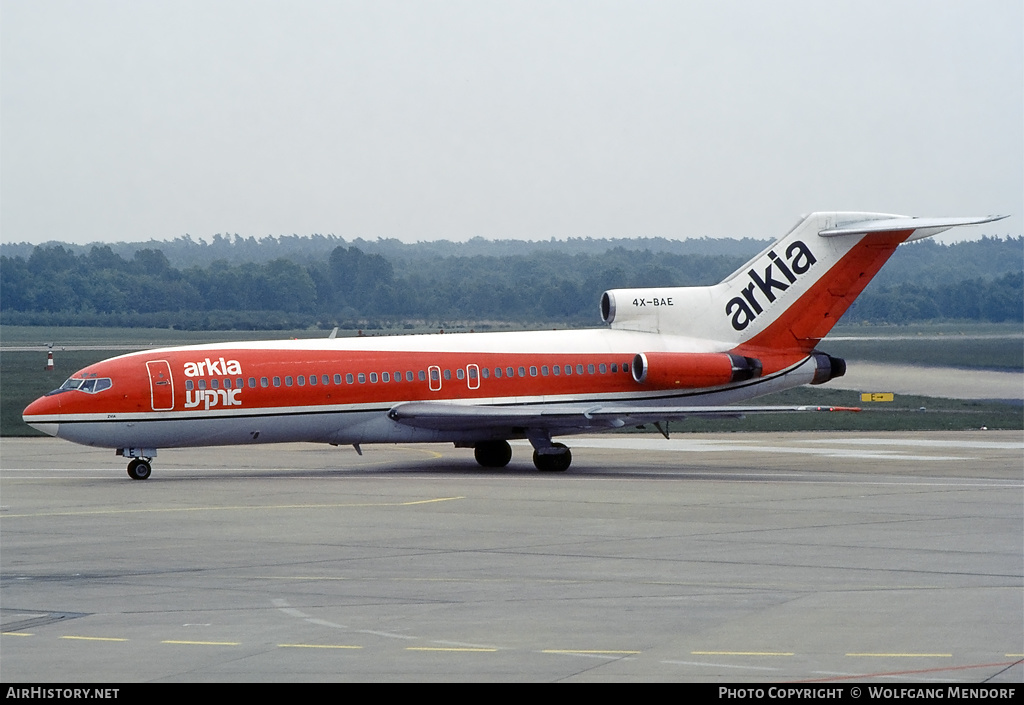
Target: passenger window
{"type": "Point", "coordinates": [544, 370]}
{"type": "Point", "coordinates": [277, 381]}
{"type": "Point", "coordinates": [409, 376]}
{"type": "Point", "coordinates": [615, 367]}
{"type": "Point", "coordinates": [252, 383]}
{"type": "Point", "coordinates": [326, 379]}
{"type": "Point", "coordinates": [522, 371]}
{"type": "Point", "coordinates": [556, 369]}
{"type": "Point", "coordinates": [349, 378]}
{"type": "Point", "coordinates": [568, 369]}
{"type": "Point", "coordinates": [447, 374]}
{"type": "Point", "coordinates": [590, 369]}
{"type": "Point", "coordinates": [604, 368]}
{"type": "Point", "coordinates": [312, 379]}
{"type": "Point", "coordinates": [497, 373]}
{"type": "Point", "coordinates": [459, 373]}
{"type": "Point", "coordinates": [213, 384]}
{"type": "Point", "coordinates": [264, 382]}
{"type": "Point", "coordinates": [301, 380]}
{"type": "Point", "coordinates": [362, 378]}
{"type": "Point", "coordinates": [227, 384]}
{"type": "Point", "coordinates": [202, 384]}
{"type": "Point", "coordinates": [288, 381]}
{"type": "Point", "coordinates": [579, 369]}
{"type": "Point", "coordinates": [239, 383]}
{"type": "Point", "coordinates": [509, 372]}
{"type": "Point", "coordinates": [423, 376]}
{"type": "Point", "coordinates": [486, 372]}
{"type": "Point", "coordinates": [385, 377]}
{"type": "Point", "coordinates": [533, 371]}
{"type": "Point", "coordinates": [189, 385]}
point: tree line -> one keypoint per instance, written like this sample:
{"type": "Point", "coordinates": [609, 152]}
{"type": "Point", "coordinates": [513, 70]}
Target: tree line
{"type": "Point", "coordinates": [59, 285]}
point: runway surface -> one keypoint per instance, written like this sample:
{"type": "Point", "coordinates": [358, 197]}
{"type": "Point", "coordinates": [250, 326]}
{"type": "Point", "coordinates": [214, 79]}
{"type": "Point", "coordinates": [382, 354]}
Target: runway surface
{"type": "Point", "coordinates": [948, 382]}
{"type": "Point", "coordinates": [726, 557]}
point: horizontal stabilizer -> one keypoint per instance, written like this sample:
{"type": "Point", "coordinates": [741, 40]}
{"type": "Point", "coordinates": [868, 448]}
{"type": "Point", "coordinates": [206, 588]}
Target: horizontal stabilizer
{"type": "Point", "coordinates": [923, 227]}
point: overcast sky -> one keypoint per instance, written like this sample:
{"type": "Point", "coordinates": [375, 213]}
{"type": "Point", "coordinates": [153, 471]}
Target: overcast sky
{"type": "Point", "coordinates": [127, 120]}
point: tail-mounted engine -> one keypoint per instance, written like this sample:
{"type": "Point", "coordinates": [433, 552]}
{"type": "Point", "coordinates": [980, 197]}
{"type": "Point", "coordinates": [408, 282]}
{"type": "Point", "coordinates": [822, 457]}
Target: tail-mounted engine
{"type": "Point", "coordinates": [693, 370]}
{"type": "Point", "coordinates": [827, 367]}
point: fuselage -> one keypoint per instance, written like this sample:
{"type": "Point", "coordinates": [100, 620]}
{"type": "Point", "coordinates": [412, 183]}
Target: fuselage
{"type": "Point", "coordinates": [338, 390]}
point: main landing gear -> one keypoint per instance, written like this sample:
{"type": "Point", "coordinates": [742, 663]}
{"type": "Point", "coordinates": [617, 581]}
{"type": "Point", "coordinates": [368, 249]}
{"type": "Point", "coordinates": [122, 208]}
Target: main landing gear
{"type": "Point", "coordinates": [139, 467]}
{"type": "Point", "coordinates": [557, 459]}
{"type": "Point", "coordinates": [493, 454]}
{"type": "Point", "coordinates": [547, 456]}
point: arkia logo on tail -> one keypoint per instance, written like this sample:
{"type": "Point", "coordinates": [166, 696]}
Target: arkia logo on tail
{"type": "Point", "coordinates": [744, 309]}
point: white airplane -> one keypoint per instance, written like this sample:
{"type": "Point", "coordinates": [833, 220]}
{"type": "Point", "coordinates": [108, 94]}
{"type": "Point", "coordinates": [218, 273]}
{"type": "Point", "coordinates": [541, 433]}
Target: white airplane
{"type": "Point", "coordinates": [664, 354]}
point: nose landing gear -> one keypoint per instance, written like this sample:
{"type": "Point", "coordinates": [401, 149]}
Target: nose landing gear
{"type": "Point", "coordinates": [139, 468]}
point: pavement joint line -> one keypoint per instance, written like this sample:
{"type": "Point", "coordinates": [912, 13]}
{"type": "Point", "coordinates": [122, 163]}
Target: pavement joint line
{"type": "Point", "coordinates": [167, 510]}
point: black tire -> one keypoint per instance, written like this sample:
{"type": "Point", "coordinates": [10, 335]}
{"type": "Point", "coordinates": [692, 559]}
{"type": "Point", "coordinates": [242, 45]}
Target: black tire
{"type": "Point", "coordinates": [139, 469]}
{"type": "Point", "coordinates": [493, 454]}
{"type": "Point", "coordinates": [554, 462]}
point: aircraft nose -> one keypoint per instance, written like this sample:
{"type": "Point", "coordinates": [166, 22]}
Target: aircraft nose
{"type": "Point", "coordinates": [43, 414]}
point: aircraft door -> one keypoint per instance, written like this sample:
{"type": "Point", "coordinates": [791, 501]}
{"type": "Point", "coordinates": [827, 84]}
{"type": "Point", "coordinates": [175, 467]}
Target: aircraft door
{"type": "Point", "coordinates": [161, 390]}
{"type": "Point", "coordinates": [434, 377]}
{"type": "Point", "coordinates": [473, 376]}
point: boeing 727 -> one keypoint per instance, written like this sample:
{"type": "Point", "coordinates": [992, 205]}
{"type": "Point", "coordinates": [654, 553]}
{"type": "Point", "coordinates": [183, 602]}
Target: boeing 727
{"type": "Point", "coordinates": [664, 354]}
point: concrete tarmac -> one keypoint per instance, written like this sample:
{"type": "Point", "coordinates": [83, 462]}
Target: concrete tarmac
{"type": "Point", "coordinates": [726, 558]}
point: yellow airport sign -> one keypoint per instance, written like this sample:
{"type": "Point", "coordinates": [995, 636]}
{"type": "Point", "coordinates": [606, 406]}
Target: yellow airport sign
{"type": "Point", "coordinates": [877, 396]}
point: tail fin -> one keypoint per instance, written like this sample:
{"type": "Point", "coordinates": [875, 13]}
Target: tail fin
{"type": "Point", "coordinates": [790, 295]}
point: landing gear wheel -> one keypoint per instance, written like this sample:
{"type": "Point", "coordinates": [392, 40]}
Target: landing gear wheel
{"type": "Point", "coordinates": [553, 462]}
{"type": "Point", "coordinates": [493, 454]}
{"type": "Point", "coordinates": [139, 469]}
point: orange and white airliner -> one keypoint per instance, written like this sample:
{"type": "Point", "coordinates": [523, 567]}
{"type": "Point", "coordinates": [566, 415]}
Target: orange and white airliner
{"type": "Point", "coordinates": [665, 354]}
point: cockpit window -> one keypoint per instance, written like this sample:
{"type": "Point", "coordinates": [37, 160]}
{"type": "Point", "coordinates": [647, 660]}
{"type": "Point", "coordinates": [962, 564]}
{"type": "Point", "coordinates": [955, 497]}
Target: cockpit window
{"type": "Point", "coordinates": [90, 386]}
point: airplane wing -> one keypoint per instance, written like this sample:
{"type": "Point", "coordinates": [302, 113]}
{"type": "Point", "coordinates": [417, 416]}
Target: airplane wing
{"type": "Point", "coordinates": [448, 416]}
